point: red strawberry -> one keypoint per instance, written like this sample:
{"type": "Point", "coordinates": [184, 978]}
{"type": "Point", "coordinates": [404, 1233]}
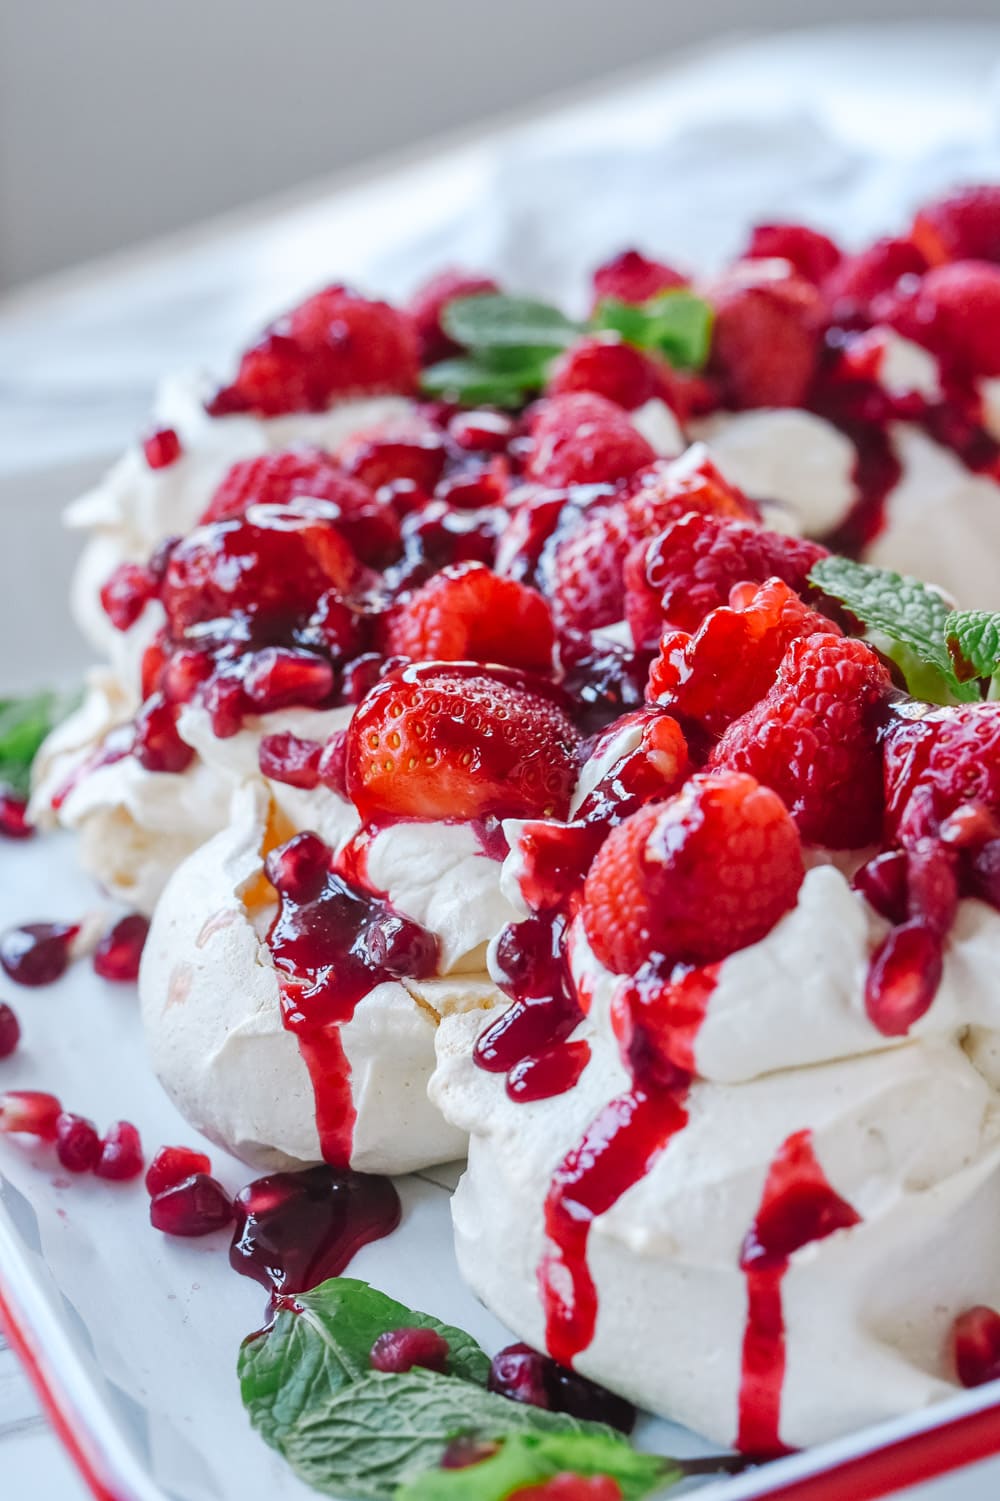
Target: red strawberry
{"type": "Point", "coordinates": [852, 286]}
{"type": "Point", "coordinates": [407, 447]}
{"type": "Point", "coordinates": [812, 254]}
{"type": "Point", "coordinates": [732, 660]}
{"type": "Point", "coordinates": [955, 311]}
{"type": "Point", "coordinates": [964, 226]}
{"type": "Point", "coordinates": [690, 569]}
{"type": "Point", "coordinates": [335, 344]}
{"type": "Point", "coordinates": [814, 739]}
{"type": "Point", "coordinates": [939, 764]}
{"type": "Point", "coordinates": [695, 878]}
{"type": "Point", "coordinates": [766, 339]}
{"type": "Point", "coordinates": [569, 1486]}
{"type": "Point", "coordinates": [429, 301]}
{"type": "Point", "coordinates": [607, 366]}
{"type": "Point", "coordinates": [440, 742]}
{"type": "Point", "coordinates": [582, 439]}
{"type": "Point", "coordinates": [467, 613]}
{"type": "Point", "coordinates": [276, 479]}
{"type": "Point", "coordinates": [631, 277]}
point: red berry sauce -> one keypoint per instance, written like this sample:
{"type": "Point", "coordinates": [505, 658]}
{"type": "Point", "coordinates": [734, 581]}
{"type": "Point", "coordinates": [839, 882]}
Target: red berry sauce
{"type": "Point", "coordinates": [294, 1230]}
{"type": "Point", "coordinates": [37, 953]}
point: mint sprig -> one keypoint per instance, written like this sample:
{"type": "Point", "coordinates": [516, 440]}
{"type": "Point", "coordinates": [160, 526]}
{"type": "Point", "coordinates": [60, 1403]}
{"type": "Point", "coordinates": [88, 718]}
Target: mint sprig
{"type": "Point", "coordinates": [906, 619]}
{"type": "Point", "coordinates": [24, 724]}
{"type": "Point", "coordinates": [972, 638]}
{"type": "Point", "coordinates": [532, 1458]}
{"type": "Point", "coordinates": [510, 343]}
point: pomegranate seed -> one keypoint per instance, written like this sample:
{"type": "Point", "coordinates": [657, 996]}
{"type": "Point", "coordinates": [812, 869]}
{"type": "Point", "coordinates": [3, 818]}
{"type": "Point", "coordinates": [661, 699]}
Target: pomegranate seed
{"type": "Point", "coordinates": [10, 1030]}
{"type": "Point", "coordinates": [970, 826]}
{"type": "Point", "coordinates": [487, 432]}
{"type": "Point", "coordinates": [883, 883]}
{"type": "Point", "coordinates": [932, 884]}
{"type": "Point", "coordinates": [334, 627]}
{"type": "Point", "coordinates": [462, 1452]}
{"type": "Point", "coordinates": [903, 978]}
{"type": "Point", "coordinates": [31, 1112]}
{"type": "Point", "coordinates": [399, 1350]}
{"type": "Point", "coordinates": [360, 675]}
{"type": "Point", "coordinates": [183, 673]}
{"type": "Point", "coordinates": [172, 1165]}
{"type": "Point", "coordinates": [279, 678]}
{"type": "Point", "coordinates": [226, 704]}
{"type": "Point", "coordinates": [158, 746]}
{"type": "Point", "coordinates": [524, 1375]}
{"type": "Point", "coordinates": [162, 448]}
{"type": "Point", "coordinates": [332, 768]}
{"type": "Point", "coordinates": [985, 872]}
{"type": "Point", "coordinates": [14, 816]}
{"type": "Point", "coordinates": [153, 662]}
{"type": "Point", "coordinates": [121, 1153]}
{"type": "Point", "coordinates": [472, 492]}
{"type": "Point", "coordinates": [37, 953]}
{"type": "Point", "coordinates": [78, 1145]}
{"type": "Point", "coordinates": [195, 1206]}
{"type": "Point", "coordinates": [291, 759]}
{"type": "Point", "coordinates": [126, 594]}
{"type": "Point", "coordinates": [404, 495]}
{"type": "Point", "coordinates": [518, 1373]}
{"type": "Point", "coordinates": [299, 868]}
{"type": "Point", "coordinates": [119, 951]}
{"type": "Point", "coordinates": [976, 1335]}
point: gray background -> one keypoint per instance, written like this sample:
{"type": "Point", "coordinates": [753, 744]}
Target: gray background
{"type": "Point", "coordinates": [124, 119]}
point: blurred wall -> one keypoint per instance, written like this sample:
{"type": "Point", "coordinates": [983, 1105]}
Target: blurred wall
{"type": "Point", "coordinates": [122, 119]}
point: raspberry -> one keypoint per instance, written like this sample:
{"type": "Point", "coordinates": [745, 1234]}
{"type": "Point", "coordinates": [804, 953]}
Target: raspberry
{"type": "Point", "coordinates": [814, 740]}
{"type": "Point", "coordinates": [607, 366]}
{"type": "Point", "coordinates": [467, 613]}
{"type": "Point", "coordinates": [732, 660]}
{"type": "Point", "coordinates": [766, 340]}
{"type": "Point", "coordinates": [964, 226]}
{"type": "Point", "coordinates": [689, 570]}
{"type": "Point", "coordinates": [695, 878]}
{"type": "Point", "coordinates": [404, 448]}
{"type": "Point", "coordinates": [631, 277]}
{"type": "Point", "coordinates": [812, 254]}
{"type": "Point", "coordinates": [852, 286]}
{"type": "Point", "coordinates": [937, 765]}
{"type": "Point", "coordinates": [582, 439]}
{"type": "Point", "coordinates": [954, 311]}
{"type": "Point", "coordinates": [440, 742]}
{"type": "Point", "coordinates": [333, 345]}
{"type": "Point", "coordinates": [429, 301]}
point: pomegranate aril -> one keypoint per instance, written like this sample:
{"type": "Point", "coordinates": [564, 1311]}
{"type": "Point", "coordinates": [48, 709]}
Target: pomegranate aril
{"type": "Point", "coordinates": [299, 868]}
{"type": "Point", "coordinates": [976, 1336]}
{"type": "Point", "coordinates": [932, 885]}
{"type": "Point", "coordinates": [14, 816]}
{"type": "Point", "coordinates": [172, 1165]}
{"type": "Point", "coordinates": [126, 594]}
{"type": "Point", "coordinates": [903, 978]}
{"type": "Point", "coordinates": [30, 1112]}
{"type": "Point", "coordinates": [485, 432]}
{"type": "Point", "coordinates": [399, 1350]}
{"type": "Point", "coordinates": [121, 1153]}
{"type": "Point", "coordinates": [472, 492]}
{"type": "Point", "coordinates": [525, 1375]}
{"type": "Point", "coordinates": [279, 678]}
{"type": "Point", "coordinates": [10, 1030]}
{"type": "Point", "coordinates": [466, 1451]}
{"type": "Point", "coordinates": [332, 768]}
{"type": "Point", "coordinates": [360, 675]}
{"type": "Point", "coordinates": [195, 1206]}
{"type": "Point", "coordinates": [37, 953]}
{"type": "Point", "coordinates": [226, 704]}
{"type": "Point", "coordinates": [118, 954]}
{"type": "Point", "coordinates": [984, 872]}
{"type": "Point", "coordinates": [183, 673]}
{"type": "Point", "coordinates": [290, 759]}
{"type": "Point", "coordinates": [883, 882]}
{"type": "Point", "coordinates": [78, 1145]}
{"type": "Point", "coordinates": [158, 746]}
{"type": "Point", "coordinates": [162, 448]}
{"type": "Point", "coordinates": [518, 1373]}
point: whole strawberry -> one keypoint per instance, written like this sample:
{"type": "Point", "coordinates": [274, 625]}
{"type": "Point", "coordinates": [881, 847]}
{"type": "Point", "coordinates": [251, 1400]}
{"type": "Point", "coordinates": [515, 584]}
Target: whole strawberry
{"type": "Point", "coordinates": [814, 739]}
{"type": "Point", "coordinates": [812, 255]}
{"type": "Point", "coordinates": [455, 742]}
{"type": "Point", "coordinates": [954, 311]}
{"type": "Point", "coordinates": [429, 302]}
{"type": "Point", "coordinates": [766, 339]}
{"type": "Point", "coordinates": [934, 766]}
{"type": "Point", "coordinates": [631, 276]}
{"type": "Point", "coordinates": [607, 366]}
{"type": "Point", "coordinates": [963, 226]}
{"type": "Point", "coordinates": [582, 439]}
{"type": "Point", "coordinates": [852, 286]}
{"type": "Point", "coordinates": [467, 613]}
{"type": "Point", "coordinates": [695, 878]}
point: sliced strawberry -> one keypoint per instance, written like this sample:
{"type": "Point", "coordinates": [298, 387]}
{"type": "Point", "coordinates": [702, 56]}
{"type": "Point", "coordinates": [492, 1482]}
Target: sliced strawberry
{"type": "Point", "coordinates": [607, 366]}
{"type": "Point", "coordinates": [766, 339]}
{"type": "Point", "coordinates": [429, 302]}
{"type": "Point", "coordinates": [631, 277]}
{"type": "Point", "coordinates": [467, 613]}
{"type": "Point", "coordinates": [582, 439]}
{"type": "Point", "coordinates": [815, 740]}
{"type": "Point", "coordinates": [963, 226]}
{"type": "Point", "coordinates": [333, 345]}
{"type": "Point", "coordinates": [695, 878]}
{"type": "Point", "coordinates": [954, 311]}
{"type": "Point", "coordinates": [813, 255]}
{"type": "Point", "coordinates": [441, 742]}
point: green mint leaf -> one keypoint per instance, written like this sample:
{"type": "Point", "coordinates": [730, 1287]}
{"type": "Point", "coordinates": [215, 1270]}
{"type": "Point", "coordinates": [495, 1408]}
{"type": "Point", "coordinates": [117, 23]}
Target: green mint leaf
{"type": "Point", "coordinates": [24, 724]}
{"type": "Point", "coordinates": [305, 1359]}
{"type": "Point", "coordinates": [382, 1431]}
{"type": "Point", "coordinates": [532, 1458]}
{"type": "Point", "coordinates": [675, 324]}
{"type": "Point", "coordinates": [973, 641]}
{"type": "Point", "coordinates": [473, 380]}
{"type": "Point", "coordinates": [904, 617]}
{"type": "Point", "coordinates": [492, 320]}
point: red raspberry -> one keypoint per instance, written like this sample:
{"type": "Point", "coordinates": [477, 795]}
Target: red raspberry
{"type": "Point", "coordinates": [814, 739]}
{"type": "Point", "coordinates": [812, 254]}
{"type": "Point", "coordinates": [695, 878]}
{"type": "Point", "coordinates": [690, 569]}
{"type": "Point", "coordinates": [766, 339]}
{"type": "Point", "coordinates": [438, 742]}
{"type": "Point", "coordinates": [732, 660]}
{"type": "Point", "coordinates": [410, 448]}
{"type": "Point", "coordinates": [939, 764]}
{"type": "Point", "coordinates": [333, 345]}
{"type": "Point", "coordinates": [429, 301]}
{"type": "Point", "coordinates": [607, 366]}
{"type": "Point", "coordinates": [853, 285]}
{"type": "Point", "coordinates": [466, 613]}
{"type": "Point", "coordinates": [582, 439]}
{"type": "Point", "coordinates": [964, 226]}
{"type": "Point", "coordinates": [955, 311]}
{"type": "Point", "coordinates": [630, 277]}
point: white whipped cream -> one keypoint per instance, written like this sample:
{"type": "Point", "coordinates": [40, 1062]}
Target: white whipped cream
{"type": "Point", "coordinates": [904, 368]}
{"type": "Point", "coordinates": [989, 395]}
{"type": "Point", "coordinates": [660, 428]}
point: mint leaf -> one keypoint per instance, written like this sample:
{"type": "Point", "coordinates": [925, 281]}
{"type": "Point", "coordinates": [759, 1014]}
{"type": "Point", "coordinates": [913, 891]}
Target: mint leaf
{"type": "Point", "coordinates": [472, 380]}
{"type": "Point", "coordinates": [906, 618]}
{"type": "Point", "coordinates": [972, 638]}
{"type": "Point", "coordinates": [532, 1458]}
{"type": "Point", "coordinates": [491, 320]}
{"type": "Point", "coordinates": [675, 324]}
{"type": "Point", "coordinates": [24, 724]}
{"type": "Point", "coordinates": [382, 1431]}
{"type": "Point", "coordinates": [306, 1358]}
